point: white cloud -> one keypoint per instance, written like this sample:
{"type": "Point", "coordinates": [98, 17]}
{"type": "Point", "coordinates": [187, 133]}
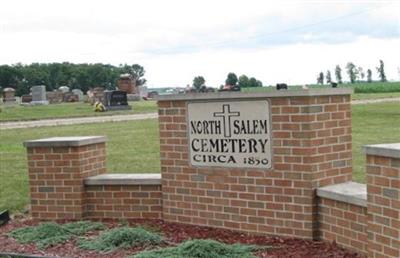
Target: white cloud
{"type": "Point", "coordinates": [285, 41]}
{"type": "Point", "coordinates": [294, 64]}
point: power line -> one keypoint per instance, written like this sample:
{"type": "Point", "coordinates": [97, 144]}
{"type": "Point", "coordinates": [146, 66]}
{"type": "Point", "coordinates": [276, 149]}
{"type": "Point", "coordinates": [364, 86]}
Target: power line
{"type": "Point", "coordinates": [266, 35]}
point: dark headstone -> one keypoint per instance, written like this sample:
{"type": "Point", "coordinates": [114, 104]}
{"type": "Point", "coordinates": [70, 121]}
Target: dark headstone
{"type": "Point", "coordinates": [4, 217]}
{"type": "Point", "coordinates": [26, 98]}
{"type": "Point", "coordinates": [116, 100]}
{"type": "Point", "coordinates": [281, 86]}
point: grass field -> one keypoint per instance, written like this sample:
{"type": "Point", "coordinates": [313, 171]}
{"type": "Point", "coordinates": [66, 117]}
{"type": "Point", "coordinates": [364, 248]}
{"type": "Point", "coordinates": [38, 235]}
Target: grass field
{"type": "Point", "coordinates": [79, 109]}
{"type": "Point", "coordinates": [360, 87]}
{"type": "Point", "coordinates": [372, 124]}
{"type": "Point", "coordinates": [134, 146]}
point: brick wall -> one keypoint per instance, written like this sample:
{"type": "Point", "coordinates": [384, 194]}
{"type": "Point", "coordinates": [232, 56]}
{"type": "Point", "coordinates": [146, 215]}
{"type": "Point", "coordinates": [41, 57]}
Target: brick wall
{"type": "Point", "coordinates": [383, 182]}
{"type": "Point", "coordinates": [123, 201]}
{"type": "Point", "coordinates": [56, 174]}
{"type": "Point", "coordinates": [311, 148]}
{"type": "Point", "coordinates": [344, 223]}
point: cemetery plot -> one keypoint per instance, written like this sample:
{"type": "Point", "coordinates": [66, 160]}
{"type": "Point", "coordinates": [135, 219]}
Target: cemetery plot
{"type": "Point", "coordinates": [65, 110]}
{"type": "Point", "coordinates": [150, 239]}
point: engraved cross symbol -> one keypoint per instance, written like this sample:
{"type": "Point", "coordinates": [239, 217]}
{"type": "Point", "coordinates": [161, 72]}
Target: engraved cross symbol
{"type": "Point", "coordinates": [226, 114]}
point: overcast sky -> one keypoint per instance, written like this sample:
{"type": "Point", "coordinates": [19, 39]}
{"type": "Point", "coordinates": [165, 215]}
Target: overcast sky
{"type": "Point", "coordinates": [175, 40]}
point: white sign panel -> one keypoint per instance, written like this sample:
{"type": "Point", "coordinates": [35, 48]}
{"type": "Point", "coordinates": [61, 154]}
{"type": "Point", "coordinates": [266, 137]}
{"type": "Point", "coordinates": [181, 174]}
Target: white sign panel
{"type": "Point", "coordinates": [230, 134]}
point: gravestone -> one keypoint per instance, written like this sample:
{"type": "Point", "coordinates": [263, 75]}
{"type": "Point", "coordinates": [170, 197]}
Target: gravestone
{"type": "Point", "coordinates": [25, 99]}
{"type": "Point", "coordinates": [281, 86]}
{"type": "Point", "coordinates": [79, 93]}
{"type": "Point", "coordinates": [116, 100]}
{"type": "Point", "coordinates": [143, 92]}
{"type": "Point", "coordinates": [39, 95]}
{"type": "Point", "coordinates": [55, 96]}
{"type": "Point", "coordinates": [9, 96]}
{"type": "Point", "coordinates": [95, 95]}
{"type": "Point", "coordinates": [70, 97]}
{"type": "Point", "coordinates": [64, 89]}
{"type": "Point", "coordinates": [127, 83]}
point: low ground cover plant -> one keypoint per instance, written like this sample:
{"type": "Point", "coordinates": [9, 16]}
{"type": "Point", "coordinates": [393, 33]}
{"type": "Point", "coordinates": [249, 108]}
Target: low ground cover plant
{"type": "Point", "coordinates": [122, 237]}
{"type": "Point", "coordinates": [201, 249]}
{"type": "Point", "coordinates": [48, 234]}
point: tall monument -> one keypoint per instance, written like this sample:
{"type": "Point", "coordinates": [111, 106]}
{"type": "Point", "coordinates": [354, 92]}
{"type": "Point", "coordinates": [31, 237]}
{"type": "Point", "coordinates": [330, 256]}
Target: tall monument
{"type": "Point", "coordinates": [127, 83]}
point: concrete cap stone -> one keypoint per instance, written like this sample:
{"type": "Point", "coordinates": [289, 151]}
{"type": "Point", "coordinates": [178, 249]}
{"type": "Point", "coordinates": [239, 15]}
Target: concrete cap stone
{"type": "Point", "coordinates": [65, 141]}
{"type": "Point", "coordinates": [391, 150]}
{"type": "Point", "coordinates": [247, 95]}
{"type": "Point", "coordinates": [124, 179]}
{"type": "Point", "coordinates": [349, 192]}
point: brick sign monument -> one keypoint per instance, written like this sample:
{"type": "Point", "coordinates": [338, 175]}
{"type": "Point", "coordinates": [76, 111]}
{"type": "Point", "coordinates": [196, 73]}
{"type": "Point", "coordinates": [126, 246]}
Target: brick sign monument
{"type": "Point", "coordinates": [276, 163]}
{"type": "Point", "coordinates": [219, 136]}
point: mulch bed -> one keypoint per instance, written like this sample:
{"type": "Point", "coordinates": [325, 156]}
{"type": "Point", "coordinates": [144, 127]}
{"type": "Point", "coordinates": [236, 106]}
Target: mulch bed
{"type": "Point", "coordinates": [175, 234]}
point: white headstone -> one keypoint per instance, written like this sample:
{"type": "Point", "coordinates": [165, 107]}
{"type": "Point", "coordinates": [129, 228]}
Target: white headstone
{"type": "Point", "coordinates": [79, 93]}
{"type": "Point", "coordinates": [230, 134]}
{"type": "Point", "coordinates": [143, 92]}
{"type": "Point", "coordinates": [64, 89]}
{"type": "Point", "coordinates": [39, 95]}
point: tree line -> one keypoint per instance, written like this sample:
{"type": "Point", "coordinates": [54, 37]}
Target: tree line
{"type": "Point", "coordinates": [231, 79]}
{"type": "Point", "coordinates": [355, 73]}
{"type": "Point", "coordinates": [76, 76]}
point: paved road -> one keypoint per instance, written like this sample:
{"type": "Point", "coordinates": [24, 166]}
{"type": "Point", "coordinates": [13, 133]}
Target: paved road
{"type": "Point", "coordinates": [73, 121]}
{"type": "Point", "coordinates": [118, 118]}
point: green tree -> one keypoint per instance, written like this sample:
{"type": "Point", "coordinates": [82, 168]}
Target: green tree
{"type": "Point", "coordinates": [243, 81]}
{"type": "Point", "coordinates": [320, 78]}
{"type": "Point", "coordinates": [231, 79]}
{"type": "Point", "coordinates": [328, 77]}
{"type": "Point", "coordinates": [369, 75]}
{"type": "Point", "coordinates": [253, 82]}
{"type": "Point", "coordinates": [351, 71]}
{"type": "Point", "coordinates": [198, 81]}
{"type": "Point", "coordinates": [76, 76]}
{"type": "Point", "coordinates": [9, 76]}
{"type": "Point", "coordinates": [381, 71]}
{"type": "Point", "coordinates": [361, 73]}
{"type": "Point", "coordinates": [136, 71]}
{"type": "Point", "coordinates": [338, 74]}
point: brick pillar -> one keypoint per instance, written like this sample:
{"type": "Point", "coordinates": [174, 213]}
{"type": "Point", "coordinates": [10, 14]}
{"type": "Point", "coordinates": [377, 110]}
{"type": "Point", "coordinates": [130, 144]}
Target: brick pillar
{"type": "Point", "coordinates": [383, 187]}
{"type": "Point", "coordinates": [311, 138]}
{"type": "Point", "coordinates": [57, 168]}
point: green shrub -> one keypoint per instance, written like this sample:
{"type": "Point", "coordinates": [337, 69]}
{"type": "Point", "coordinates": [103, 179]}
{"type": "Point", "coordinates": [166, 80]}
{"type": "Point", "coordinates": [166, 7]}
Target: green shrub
{"type": "Point", "coordinates": [123, 237]}
{"type": "Point", "coordinates": [47, 234]}
{"type": "Point", "coordinates": [201, 249]}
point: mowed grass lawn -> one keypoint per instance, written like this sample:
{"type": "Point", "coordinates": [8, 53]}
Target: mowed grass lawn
{"type": "Point", "coordinates": [134, 146]}
{"type": "Point", "coordinates": [19, 113]}
{"type": "Point", "coordinates": [77, 109]}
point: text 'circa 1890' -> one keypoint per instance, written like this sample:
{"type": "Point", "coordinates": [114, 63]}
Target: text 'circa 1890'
{"type": "Point", "coordinates": [230, 134]}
